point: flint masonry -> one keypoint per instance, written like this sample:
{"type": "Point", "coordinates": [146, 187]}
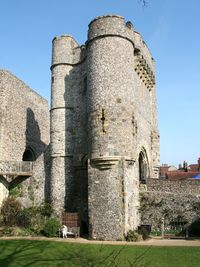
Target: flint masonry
{"type": "Point", "coordinates": [103, 126]}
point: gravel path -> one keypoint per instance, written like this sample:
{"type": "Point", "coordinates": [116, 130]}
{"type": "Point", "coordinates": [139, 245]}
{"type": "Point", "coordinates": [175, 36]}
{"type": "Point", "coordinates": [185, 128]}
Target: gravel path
{"type": "Point", "coordinates": [150, 242]}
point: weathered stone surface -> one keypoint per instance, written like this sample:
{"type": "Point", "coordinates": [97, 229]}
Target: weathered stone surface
{"type": "Point", "coordinates": [169, 201]}
{"type": "Point", "coordinates": [24, 125]}
{"type": "Point", "coordinates": [103, 125]}
{"type": "Point", "coordinates": [104, 136]}
{"type": "Point", "coordinates": [189, 186]}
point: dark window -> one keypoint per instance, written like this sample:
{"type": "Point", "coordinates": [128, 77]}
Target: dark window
{"type": "Point", "coordinates": [29, 155]}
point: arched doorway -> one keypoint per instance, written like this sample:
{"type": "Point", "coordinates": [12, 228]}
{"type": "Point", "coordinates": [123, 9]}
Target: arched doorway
{"type": "Point", "coordinates": [29, 155]}
{"type": "Point", "coordinates": [143, 166]}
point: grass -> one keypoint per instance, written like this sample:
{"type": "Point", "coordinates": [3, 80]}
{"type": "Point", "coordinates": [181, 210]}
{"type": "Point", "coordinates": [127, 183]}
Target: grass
{"type": "Point", "coordinates": [33, 253]}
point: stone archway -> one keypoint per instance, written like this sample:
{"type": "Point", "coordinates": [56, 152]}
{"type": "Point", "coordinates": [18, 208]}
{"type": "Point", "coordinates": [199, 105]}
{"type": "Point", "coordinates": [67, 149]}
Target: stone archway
{"type": "Point", "coordinates": [143, 166]}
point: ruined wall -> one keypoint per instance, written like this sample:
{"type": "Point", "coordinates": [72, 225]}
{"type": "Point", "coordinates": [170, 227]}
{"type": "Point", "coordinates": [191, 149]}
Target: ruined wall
{"type": "Point", "coordinates": [24, 125]}
{"type": "Point", "coordinates": [189, 186]}
{"type": "Point", "coordinates": [26, 119]}
{"type": "Point", "coordinates": [35, 189]}
{"type": "Point", "coordinates": [169, 200]}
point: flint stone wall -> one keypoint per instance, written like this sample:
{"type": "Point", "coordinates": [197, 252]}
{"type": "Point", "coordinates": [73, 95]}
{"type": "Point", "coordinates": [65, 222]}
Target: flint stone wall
{"type": "Point", "coordinates": [171, 200]}
{"type": "Point", "coordinates": [24, 123]}
{"type": "Point", "coordinates": [25, 119]}
{"type": "Point", "coordinates": [103, 111]}
{"type": "Point", "coordinates": [189, 186]}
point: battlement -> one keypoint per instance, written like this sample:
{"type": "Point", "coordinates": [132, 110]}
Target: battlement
{"type": "Point", "coordinates": [106, 16]}
{"type": "Point", "coordinates": [110, 25]}
{"type": "Point", "coordinates": [116, 26]}
{"type": "Point", "coordinates": [143, 50]}
{"type": "Point", "coordinates": [144, 71]}
{"type": "Point", "coordinates": [63, 36]}
{"type": "Point", "coordinates": [66, 51]}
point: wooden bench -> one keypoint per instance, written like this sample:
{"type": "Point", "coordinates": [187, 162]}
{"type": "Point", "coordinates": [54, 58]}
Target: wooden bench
{"type": "Point", "coordinates": [173, 236]}
{"type": "Point", "coordinates": [72, 221]}
{"type": "Point", "coordinates": [74, 231]}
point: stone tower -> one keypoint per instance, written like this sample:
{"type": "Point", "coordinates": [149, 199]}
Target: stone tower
{"type": "Point", "coordinates": [104, 134]}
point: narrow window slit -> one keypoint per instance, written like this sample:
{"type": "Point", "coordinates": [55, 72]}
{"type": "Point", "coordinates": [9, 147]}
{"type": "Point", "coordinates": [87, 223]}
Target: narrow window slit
{"type": "Point", "coordinates": [103, 120]}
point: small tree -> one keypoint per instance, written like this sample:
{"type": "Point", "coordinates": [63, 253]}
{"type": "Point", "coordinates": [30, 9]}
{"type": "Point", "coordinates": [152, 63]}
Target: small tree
{"type": "Point", "coordinates": [10, 210]}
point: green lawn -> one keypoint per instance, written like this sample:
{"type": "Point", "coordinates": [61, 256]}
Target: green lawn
{"type": "Point", "coordinates": [48, 253]}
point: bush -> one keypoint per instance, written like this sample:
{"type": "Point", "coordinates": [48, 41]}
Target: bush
{"type": "Point", "coordinates": [51, 227]}
{"type": "Point", "coordinates": [7, 231]}
{"type": "Point", "coordinates": [45, 209]}
{"type": "Point", "coordinates": [24, 218]}
{"type": "Point", "coordinates": [16, 231]}
{"type": "Point", "coordinates": [194, 228]}
{"type": "Point", "coordinates": [156, 233]}
{"type": "Point", "coordinates": [24, 232]}
{"type": "Point", "coordinates": [32, 219]}
{"type": "Point", "coordinates": [132, 236]}
{"type": "Point", "coordinates": [9, 211]}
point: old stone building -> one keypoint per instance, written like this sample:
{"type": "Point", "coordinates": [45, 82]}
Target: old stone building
{"type": "Point", "coordinates": [104, 133]}
{"type": "Point", "coordinates": [103, 157]}
{"type": "Point", "coordinates": [24, 137]}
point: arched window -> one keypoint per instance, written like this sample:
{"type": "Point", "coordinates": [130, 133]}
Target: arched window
{"type": "Point", "coordinates": [29, 154]}
{"type": "Point", "coordinates": [143, 166]}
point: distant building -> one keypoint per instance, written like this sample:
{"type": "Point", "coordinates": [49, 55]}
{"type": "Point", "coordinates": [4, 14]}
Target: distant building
{"type": "Point", "coordinates": [184, 171]}
{"type": "Point", "coordinates": [164, 169]}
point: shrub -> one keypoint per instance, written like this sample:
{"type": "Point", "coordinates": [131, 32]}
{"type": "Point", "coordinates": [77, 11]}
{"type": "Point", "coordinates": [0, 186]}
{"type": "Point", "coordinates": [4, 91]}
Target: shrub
{"type": "Point", "coordinates": [194, 228]}
{"type": "Point", "coordinates": [16, 231]}
{"type": "Point", "coordinates": [16, 191]}
{"type": "Point", "coordinates": [45, 209]}
{"type": "Point", "coordinates": [132, 236]}
{"type": "Point", "coordinates": [7, 231]}
{"type": "Point", "coordinates": [9, 211]}
{"type": "Point", "coordinates": [24, 232]}
{"type": "Point", "coordinates": [51, 227]}
{"type": "Point", "coordinates": [24, 218]}
{"type": "Point", "coordinates": [156, 233]}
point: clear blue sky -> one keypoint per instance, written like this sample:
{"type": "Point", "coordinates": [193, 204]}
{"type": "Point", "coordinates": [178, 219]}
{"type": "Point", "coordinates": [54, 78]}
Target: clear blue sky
{"type": "Point", "coordinates": [171, 29]}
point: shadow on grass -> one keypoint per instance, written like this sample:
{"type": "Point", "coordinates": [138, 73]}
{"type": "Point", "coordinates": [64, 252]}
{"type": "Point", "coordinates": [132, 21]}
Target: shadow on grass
{"type": "Point", "coordinates": [26, 253]}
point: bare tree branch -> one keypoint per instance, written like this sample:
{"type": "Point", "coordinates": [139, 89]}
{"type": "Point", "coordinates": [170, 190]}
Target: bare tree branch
{"type": "Point", "coordinates": [143, 2]}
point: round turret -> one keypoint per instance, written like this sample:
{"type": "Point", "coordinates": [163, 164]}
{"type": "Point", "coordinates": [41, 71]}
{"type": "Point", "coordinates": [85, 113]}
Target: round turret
{"type": "Point", "coordinates": [110, 94]}
{"type": "Point", "coordinates": [61, 118]}
{"type": "Point", "coordinates": [110, 58]}
{"type": "Point", "coordinates": [63, 49]}
{"type": "Point", "coordinates": [110, 25]}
